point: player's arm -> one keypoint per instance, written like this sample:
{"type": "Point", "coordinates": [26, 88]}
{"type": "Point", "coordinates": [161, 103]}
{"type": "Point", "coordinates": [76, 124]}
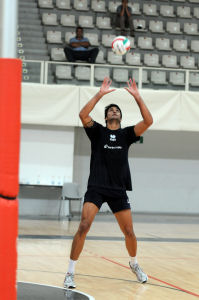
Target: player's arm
{"type": "Point", "coordinates": [85, 111]}
{"type": "Point", "coordinates": [147, 121]}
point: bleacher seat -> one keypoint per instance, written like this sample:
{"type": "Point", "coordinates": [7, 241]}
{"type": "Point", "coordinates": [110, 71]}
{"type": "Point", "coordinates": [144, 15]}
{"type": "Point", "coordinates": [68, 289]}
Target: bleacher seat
{"type": "Point", "coordinates": [158, 77]}
{"type": "Point", "coordinates": [177, 78]}
{"type": "Point", "coordinates": [49, 19]}
{"type": "Point", "coordinates": [196, 12]}
{"type": "Point", "coordinates": [100, 57]}
{"type": "Point", "coordinates": [100, 73]}
{"type": "Point", "coordinates": [45, 3]}
{"type": "Point", "coordinates": [112, 6]}
{"type": "Point", "coordinates": [163, 44]}
{"type": "Point", "coordinates": [69, 35]}
{"type": "Point", "coordinates": [63, 72]}
{"type": "Point", "coordinates": [98, 5]}
{"type": "Point", "coordinates": [173, 28]}
{"type": "Point", "coordinates": [114, 59]}
{"type": "Point", "coordinates": [63, 4]}
{"type": "Point", "coordinates": [93, 38]}
{"type": "Point", "coordinates": [184, 12]}
{"type": "Point", "coordinates": [54, 37]}
{"type": "Point", "coordinates": [68, 20]}
{"type": "Point", "coordinates": [180, 45]}
{"type": "Point", "coordinates": [81, 5]}
{"type": "Point", "coordinates": [86, 21]}
{"type": "Point", "coordinates": [151, 60]}
{"type": "Point", "coordinates": [139, 25]}
{"type": "Point", "coordinates": [133, 59]}
{"type": "Point", "coordinates": [167, 11]}
{"type": "Point", "coordinates": [82, 73]}
{"type": "Point", "coordinates": [135, 75]}
{"type": "Point", "coordinates": [191, 28]}
{"type": "Point", "coordinates": [120, 75]}
{"type": "Point", "coordinates": [103, 22]}
{"type": "Point", "coordinates": [187, 62]}
{"type": "Point", "coordinates": [145, 42]}
{"type": "Point", "coordinates": [132, 41]}
{"type": "Point", "coordinates": [156, 26]}
{"type": "Point", "coordinates": [135, 6]}
{"type": "Point", "coordinates": [150, 9]}
{"type": "Point", "coordinates": [169, 61]}
{"type": "Point", "coordinates": [194, 79]}
{"type": "Point", "coordinates": [195, 46]}
{"type": "Point", "coordinates": [58, 54]}
{"type": "Point", "coordinates": [107, 39]}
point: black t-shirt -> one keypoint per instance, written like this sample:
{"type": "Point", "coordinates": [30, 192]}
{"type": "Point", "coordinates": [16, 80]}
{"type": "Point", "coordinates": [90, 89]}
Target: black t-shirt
{"type": "Point", "coordinates": [109, 167]}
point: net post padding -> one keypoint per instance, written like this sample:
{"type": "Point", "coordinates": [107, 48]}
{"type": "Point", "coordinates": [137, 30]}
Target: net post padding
{"type": "Point", "coordinates": [10, 102]}
{"type": "Point", "coordinates": [8, 248]}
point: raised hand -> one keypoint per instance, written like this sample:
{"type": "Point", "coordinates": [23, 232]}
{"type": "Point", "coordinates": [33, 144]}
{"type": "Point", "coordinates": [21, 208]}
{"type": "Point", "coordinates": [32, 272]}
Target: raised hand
{"type": "Point", "coordinates": [105, 86]}
{"type": "Point", "coordinates": [132, 88]}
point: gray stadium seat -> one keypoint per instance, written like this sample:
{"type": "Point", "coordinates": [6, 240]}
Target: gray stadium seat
{"type": "Point", "coordinates": [120, 75]}
{"type": "Point", "coordinates": [68, 20]}
{"type": "Point", "coordinates": [194, 79]}
{"type": "Point", "coordinates": [49, 19]}
{"type": "Point", "coordinates": [63, 72]}
{"type": "Point", "coordinates": [173, 28]}
{"type": "Point", "coordinates": [54, 37]}
{"type": "Point", "coordinates": [191, 28]}
{"type": "Point", "coordinates": [114, 59]}
{"type": "Point", "coordinates": [133, 59]}
{"type": "Point", "coordinates": [82, 73]}
{"type": "Point", "coordinates": [100, 73]}
{"type": "Point", "coordinates": [98, 5]}
{"type": "Point", "coordinates": [180, 45]}
{"type": "Point", "coordinates": [112, 6]}
{"type": "Point", "coordinates": [195, 46]}
{"type": "Point", "coordinates": [86, 21]}
{"type": "Point", "coordinates": [103, 22]}
{"type": "Point", "coordinates": [163, 44]}
{"type": "Point", "coordinates": [158, 77]}
{"type": "Point", "coordinates": [135, 75]}
{"type": "Point", "coordinates": [167, 11]}
{"type": "Point", "coordinates": [45, 3]}
{"type": "Point", "coordinates": [151, 60]}
{"type": "Point", "coordinates": [184, 12]}
{"type": "Point", "coordinates": [177, 78]}
{"type": "Point", "coordinates": [156, 26]}
{"type": "Point", "coordinates": [150, 9]}
{"type": "Point", "coordinates": [81, 5]}
{"type": "Point", "coordinates": [187, 62]}
{"type": "Point", "coordinates": [63, 4]}
{"type": "Point", "coordinates": [169, 61]}
{"type": "Point", "coordinates": [145, 43]}
{"type": "Point", "coordinates": [57, 54]}
{"type": "Point", "coordinates": [107, 39]}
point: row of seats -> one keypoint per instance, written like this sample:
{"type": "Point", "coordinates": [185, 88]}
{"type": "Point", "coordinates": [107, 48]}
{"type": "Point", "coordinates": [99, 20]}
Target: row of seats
{"type": "Point", "coordinates": [137, 59]}
{"type": "Point", "coordinates": [155, 26]}
{"type": "Point", "coordinates": [146, 43]}
{"type": "Point", "coordinates": [149, 9]}
{"type": "Point", "coordinates": [122, 76]}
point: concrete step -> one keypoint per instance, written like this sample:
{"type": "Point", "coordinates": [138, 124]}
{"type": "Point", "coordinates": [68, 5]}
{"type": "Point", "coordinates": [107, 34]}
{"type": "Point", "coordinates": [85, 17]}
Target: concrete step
{"type": "Point", "coordinates": [24, 9]}
{"type": "Point", "coordinates": [35, 27]}
{"type": "Point", "coordinates": [26, 51]}
{"type": "Point", "coordinates": [23, 21]}
{"type": "Point", "coordinates": [31, 40]}
{"type": "Point", "coordinates": [28, 16]}
{"type": "Point", "coordinates": [34, 57]}
{"type": "Point", "coordinates": [28, 4]}
{"type": "Point", "coordinates": [24, 32]}
{"type": "Point", "coordinates": [31, 45]}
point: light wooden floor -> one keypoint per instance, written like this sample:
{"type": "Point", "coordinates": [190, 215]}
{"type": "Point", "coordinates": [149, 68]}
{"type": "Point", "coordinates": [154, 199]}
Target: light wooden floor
{"type": "Point", "coordinates": [168, 250]}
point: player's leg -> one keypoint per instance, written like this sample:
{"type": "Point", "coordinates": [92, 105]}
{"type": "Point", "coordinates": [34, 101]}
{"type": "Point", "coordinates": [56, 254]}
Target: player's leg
{"type": "Point", "coordinates": [89, 212]}
{"type": "Point", "coordinates": [124, 219]}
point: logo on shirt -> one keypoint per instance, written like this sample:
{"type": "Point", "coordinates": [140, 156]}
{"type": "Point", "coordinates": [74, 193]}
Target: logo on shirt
{"type": "Point", "coordinates": [112, 137]}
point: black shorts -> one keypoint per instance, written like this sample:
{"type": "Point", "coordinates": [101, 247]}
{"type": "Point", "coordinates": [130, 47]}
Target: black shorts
{"type": "Point", "coordinates": [116, 202]}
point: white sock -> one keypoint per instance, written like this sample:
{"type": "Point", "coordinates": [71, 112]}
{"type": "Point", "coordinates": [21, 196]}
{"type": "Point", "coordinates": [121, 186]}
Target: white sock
{"type": "Point", "coordinates": [71, 266]}
{"type": "Point", "coordinates": [133, 260]}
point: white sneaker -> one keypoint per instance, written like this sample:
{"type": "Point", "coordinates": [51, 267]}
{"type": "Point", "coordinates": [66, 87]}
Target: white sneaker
{"type": "Point", "coordinates": [141, 276]}
{"type": "Point", "coordinates": [69, 282]}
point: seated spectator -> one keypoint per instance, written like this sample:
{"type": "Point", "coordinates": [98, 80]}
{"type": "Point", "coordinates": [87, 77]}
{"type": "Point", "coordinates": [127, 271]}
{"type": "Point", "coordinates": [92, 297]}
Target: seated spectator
{"type": "Point", "coordinates": [79, 48]}
{"type": "Point", "coordinates": [124, 18]}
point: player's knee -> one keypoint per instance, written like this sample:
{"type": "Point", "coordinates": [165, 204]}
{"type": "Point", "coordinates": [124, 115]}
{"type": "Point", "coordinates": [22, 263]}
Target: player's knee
{"type": "Point", "coordinates": [84, 227]}
{"type": "Point", "coordinates": [129, 233]}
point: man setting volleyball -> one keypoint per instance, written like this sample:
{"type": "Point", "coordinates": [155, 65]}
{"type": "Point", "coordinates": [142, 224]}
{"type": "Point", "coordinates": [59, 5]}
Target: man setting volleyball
{"type": "Point", "coordinates": [109, 177]}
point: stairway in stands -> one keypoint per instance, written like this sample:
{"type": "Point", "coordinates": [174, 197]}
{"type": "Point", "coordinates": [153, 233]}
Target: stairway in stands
{"type": "Point", "coordinates": [31, 43]}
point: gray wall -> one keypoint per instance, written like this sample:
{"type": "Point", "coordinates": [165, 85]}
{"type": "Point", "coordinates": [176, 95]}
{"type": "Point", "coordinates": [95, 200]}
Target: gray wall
{"type": "Point", "coordinates": [165, 171]}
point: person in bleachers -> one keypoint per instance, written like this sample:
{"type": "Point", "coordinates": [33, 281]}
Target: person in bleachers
{"type": "Point", "coordinates": [79, 48]}
{"type": "Point", "coordinates": [124, 18]}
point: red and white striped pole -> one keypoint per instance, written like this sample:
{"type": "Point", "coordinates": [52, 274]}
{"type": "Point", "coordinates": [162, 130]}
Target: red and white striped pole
{"type": "Point", "coordinates": [10, 102]}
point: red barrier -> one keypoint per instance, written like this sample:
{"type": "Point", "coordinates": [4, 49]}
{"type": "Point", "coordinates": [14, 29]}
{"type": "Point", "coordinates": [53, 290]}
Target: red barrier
{"type": "Point", "coordinates": [8, 248]}
{"type": "Point", "coordinates": [10, 99]}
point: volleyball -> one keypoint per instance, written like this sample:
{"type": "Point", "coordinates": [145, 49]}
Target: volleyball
{"type": "Point", "coordinates": [120, 45]}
